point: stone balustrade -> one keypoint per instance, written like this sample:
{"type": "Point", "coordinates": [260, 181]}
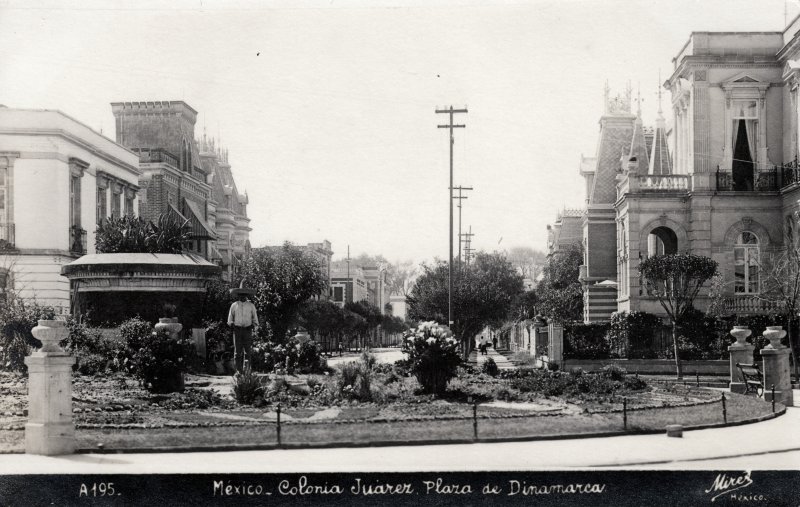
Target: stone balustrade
{"type": "Point", "coordinates": [668, 182]}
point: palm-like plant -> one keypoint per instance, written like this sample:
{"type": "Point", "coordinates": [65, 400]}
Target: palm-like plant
{"type": "Point", "coordinates": [130, 234]}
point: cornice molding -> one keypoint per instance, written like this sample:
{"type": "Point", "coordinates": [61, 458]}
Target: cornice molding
{"type": "Point", "coordinates": [77, 141]}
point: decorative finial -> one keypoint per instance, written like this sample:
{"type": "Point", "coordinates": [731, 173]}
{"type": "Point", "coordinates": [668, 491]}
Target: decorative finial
{"type": "Point", "coordinates": [638, 100]}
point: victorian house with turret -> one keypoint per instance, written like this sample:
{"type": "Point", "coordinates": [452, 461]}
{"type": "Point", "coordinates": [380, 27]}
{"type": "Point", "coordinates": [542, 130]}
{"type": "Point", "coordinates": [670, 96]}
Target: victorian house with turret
{"type": "Point", "coordinates": [721, 182]}
{"type": "Point", "coordinates": [190, 179]}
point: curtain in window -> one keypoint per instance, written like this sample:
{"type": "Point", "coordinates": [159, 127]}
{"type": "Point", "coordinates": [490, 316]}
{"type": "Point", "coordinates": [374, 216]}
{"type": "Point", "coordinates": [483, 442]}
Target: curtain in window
{"type": "Point", "coordinates": [750, 128]}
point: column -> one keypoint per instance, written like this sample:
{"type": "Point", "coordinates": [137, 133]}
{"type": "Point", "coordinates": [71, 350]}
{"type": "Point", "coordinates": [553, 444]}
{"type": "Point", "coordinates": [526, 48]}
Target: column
{"type": "Point", "coordinates": [50, 430]}
{"type": "Point", "coordinates": [776, 367]}
{"type": "Point", "coordinates": [741, 352]}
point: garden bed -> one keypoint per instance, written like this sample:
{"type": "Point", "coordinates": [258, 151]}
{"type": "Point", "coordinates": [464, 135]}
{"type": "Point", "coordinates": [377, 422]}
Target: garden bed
{"type": "Point", "coordinates": [116, 412]}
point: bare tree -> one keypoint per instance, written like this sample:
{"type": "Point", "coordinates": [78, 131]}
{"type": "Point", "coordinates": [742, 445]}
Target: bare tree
{"type": "Point", "coordinates": [780, 286]}
{"type": "Point", "coordinates": [528, 261]}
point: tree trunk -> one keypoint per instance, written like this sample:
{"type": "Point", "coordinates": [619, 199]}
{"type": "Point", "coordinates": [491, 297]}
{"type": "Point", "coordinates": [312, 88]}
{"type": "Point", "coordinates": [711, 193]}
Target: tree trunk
{"type": "Point", "coordinates": [789, 329]}
{"type": "Point", "coordinates": [675, 345]}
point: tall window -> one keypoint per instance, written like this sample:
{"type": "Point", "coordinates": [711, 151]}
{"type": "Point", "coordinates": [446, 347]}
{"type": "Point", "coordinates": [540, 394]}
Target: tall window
{"type": "Point", "coordinates": [102, 205]}
{"type": "Point", "coordinates": [115, 204]}
{"type": "Point", "coordinates": [5, 284]}
{"type": "Point", "coordinates": [745, 264]}
{"type": "Point", "coordinates": [186, 157]}
{"type": "Point", "coordinates": [3, 200]}
{"type": "Point", "coordinates": [128, 205]}
{"type": "Point", "coordinates": [744, 143]}
{"type": "Point", "coordinates": [75, 201]}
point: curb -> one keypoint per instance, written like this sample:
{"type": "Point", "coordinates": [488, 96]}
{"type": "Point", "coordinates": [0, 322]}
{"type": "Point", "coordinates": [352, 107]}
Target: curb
{"type": "Point", "coordinates": [395, 443]}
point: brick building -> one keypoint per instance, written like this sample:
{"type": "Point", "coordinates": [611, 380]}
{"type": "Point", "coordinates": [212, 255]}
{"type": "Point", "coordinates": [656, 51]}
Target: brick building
{"type": "Point", "coordinates": [189, 178]}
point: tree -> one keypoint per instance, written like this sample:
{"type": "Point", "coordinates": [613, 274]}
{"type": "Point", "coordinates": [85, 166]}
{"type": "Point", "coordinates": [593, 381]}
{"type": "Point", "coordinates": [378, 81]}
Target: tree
{"type": "Point", "coordinates": [371, 314]}
{"type": "Point", "coordinates": [525, 305]}
{"type": "Point", "coordinates": [780, 286]}
{"type": "Point", "coordinates": [483, 294]}
{"type": "Point", "coordinates": [559, 293]}
{"type": "Point", "coordinates": [528, 261]}
{"type": "Point", "coordinates": [399, 275]}
{"type": "Point", "coordinates": [676, 279]}
{"type": "Point", "coordinates": [284, 279]}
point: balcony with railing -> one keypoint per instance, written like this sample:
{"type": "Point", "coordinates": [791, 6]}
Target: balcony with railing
{"type": "Point", "coordinates": [664, 183]}
{"type": "Point", "coordinates": [790, 173]}
{"type": "Point", "coordinates": [6, 236]}
{"type": "Point", "coordinates": [77, 240]}
{"type": "Point", "coordinates": [763, 181]}
{"type": "Point", "coordinates": [750, 305]}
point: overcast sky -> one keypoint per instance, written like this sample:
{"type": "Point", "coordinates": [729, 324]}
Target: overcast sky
{"type": "Point", "coordinates": [327, 108]}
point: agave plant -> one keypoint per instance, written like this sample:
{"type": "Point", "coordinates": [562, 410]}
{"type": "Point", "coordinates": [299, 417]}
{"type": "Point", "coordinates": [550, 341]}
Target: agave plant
{"type": "Point", "coordinates": [168, 234]}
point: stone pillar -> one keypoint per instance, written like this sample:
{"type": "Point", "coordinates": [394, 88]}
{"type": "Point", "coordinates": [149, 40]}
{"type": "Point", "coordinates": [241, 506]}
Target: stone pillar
{"type": "Point", "coordinates": [50, 430]}
{"type": "Point", "coordinates": [537, 340]}
{"type": "Point", "coordinates": [741, 352]}
{"type": "Point", "coordinates": [172, 328]}
{"type": "Point", "coordinates": [776, 367]}
{"type": "Point", "coordinates": [555, 345]}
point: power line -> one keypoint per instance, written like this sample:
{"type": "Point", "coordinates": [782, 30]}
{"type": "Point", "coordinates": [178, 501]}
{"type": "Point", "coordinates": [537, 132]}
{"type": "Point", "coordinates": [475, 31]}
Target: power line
{"type": "Point", "coordinates": [450, 126]}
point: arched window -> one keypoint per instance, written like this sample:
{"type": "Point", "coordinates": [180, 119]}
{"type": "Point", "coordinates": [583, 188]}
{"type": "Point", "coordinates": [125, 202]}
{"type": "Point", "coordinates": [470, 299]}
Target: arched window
{"type": "Point", "coordinates": [746, 264]}
{"type": "Point", "coordinates": [186, 157]}
{"type": "Point", "coordinates": [662, 241]}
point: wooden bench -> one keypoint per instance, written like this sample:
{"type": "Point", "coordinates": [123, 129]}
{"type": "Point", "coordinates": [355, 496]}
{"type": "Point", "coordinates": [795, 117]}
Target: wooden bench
{"type": "Point", "coordinates": [753, 378]}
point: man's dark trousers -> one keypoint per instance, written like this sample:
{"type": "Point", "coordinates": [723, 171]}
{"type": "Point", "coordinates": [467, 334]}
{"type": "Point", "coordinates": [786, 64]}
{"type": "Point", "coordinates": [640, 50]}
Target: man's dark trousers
{"type": "Point", "coordinates": [242, 345]}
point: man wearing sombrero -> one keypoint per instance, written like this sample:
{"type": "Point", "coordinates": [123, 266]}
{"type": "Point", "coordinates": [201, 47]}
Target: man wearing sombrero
{"type": "Point", "coordinates": [242, 318]}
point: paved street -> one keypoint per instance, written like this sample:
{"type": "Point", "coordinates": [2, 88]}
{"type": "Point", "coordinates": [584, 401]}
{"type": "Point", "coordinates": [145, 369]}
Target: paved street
{"type": "Point", "coordinates": [773, 444]}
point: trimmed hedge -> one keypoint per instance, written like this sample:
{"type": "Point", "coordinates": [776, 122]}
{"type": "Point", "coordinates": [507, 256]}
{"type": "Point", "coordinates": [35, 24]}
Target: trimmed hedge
{"type": "Point", "coordinates": [586, 341]}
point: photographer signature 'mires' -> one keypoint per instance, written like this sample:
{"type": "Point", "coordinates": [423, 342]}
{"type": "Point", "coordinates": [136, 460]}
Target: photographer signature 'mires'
{"type": "Point", "coordinates": [242, 318]}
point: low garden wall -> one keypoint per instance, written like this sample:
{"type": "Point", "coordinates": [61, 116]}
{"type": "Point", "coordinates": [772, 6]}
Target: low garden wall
{"type": "Point", "coordinates": [653, 366]}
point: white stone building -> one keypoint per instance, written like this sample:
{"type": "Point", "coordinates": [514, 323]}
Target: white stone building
{"type": "Point", "coordinates": [58, 178]}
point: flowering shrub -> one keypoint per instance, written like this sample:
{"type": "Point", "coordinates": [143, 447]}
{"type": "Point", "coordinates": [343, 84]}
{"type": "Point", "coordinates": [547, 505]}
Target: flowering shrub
{"type": "Point", "coordinates": [161, 361]}
{"type": "Point", "coordinates": [304, 357]}
{"type": "Point", "coordinates": [433, 354]}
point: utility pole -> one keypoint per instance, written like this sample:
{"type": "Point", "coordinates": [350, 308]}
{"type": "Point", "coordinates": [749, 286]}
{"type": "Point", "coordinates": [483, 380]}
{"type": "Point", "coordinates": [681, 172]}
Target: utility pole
{"type": "Point", "coordinates": [450, 126]}
{"type": "Point", "coordinates": [468, 249]}
{"type": "Point", "coordinates": [460, 197]}
{"type": "Point", "coordinates": [467, 237]}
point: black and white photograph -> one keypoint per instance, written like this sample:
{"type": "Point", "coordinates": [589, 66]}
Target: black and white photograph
{"type": "Point", "coordinates": [400, 252]}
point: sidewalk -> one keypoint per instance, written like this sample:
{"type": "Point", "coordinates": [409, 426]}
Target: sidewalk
{"type": "Point", "coordinates": [772, 445]}
{"type": "Point", "coordinates": [502, 362]}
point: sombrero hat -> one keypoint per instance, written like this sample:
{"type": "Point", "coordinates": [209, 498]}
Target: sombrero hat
{"type": "Point", "coordinates": [241, 289]}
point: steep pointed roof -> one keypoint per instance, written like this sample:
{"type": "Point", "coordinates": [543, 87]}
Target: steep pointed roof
{"type": "Point", "coordinates": [660, 161]}
{"type": "Point", "coordinates": [616, 132]}
{"type": "Point", "coordinates": [638, 146]}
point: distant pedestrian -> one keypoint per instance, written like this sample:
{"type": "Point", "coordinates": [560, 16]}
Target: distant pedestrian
{"type": "Point", "coordinates": [494, 343]}
{"type": "Point", "coordinates": [483, 344]}
{"type": "Point", "coordinates": [243, 319]}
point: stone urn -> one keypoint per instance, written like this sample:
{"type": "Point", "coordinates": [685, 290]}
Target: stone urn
{"type": "Point", "coordinates": [50, 333]}
{"type": "Point", "coordinates": [741, 333]}
{"type": "Point", "coordinates": [170, 325]}
{"type": "Point", "coordinates": [774, 334]}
